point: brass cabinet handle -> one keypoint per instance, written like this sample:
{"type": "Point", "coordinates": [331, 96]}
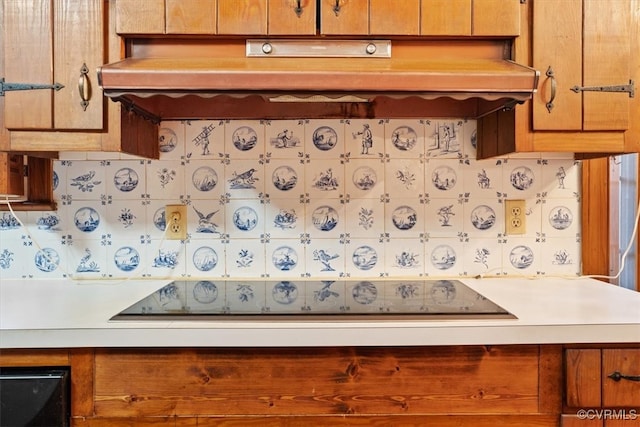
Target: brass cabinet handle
{"type": "Point", "coordinates": [554, 88]}
{"type": "Point", "coordinates": [617, 376]}
{"type": "Point", "coordinates": [84, 87]}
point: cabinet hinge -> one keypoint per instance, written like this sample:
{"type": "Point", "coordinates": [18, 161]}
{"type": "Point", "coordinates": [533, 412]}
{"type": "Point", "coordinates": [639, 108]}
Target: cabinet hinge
{"type": "Point", "coordinates": [25, 171]}
{"type": "Point", "coordinates": [630, 89]}
{"type": "Point", "coordinates": [6, 87]}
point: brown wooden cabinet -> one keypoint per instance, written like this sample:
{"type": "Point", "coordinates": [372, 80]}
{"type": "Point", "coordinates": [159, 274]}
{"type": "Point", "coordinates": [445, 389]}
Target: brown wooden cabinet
{"type": "Point", "coordinates": [602, 387]}
{"type": "Point", "coordinates": [587, 44]}
{"type": "Point", "coordinates": [64, 41]}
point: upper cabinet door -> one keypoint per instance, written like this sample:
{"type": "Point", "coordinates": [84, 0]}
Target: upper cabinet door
{"type": "Point", "coordinates": [191, 17]}
{"type": "Point", "coordinates": [446, 17]}
{"type": "Point", "coordinates": [292, 17]}
{"type": "Point", "coordinates": [496, 17]}
{"type": "Point", "coordinates": [394, 17]}
{"type": "Point", "coordinates": [140, 17]}
{"type": "Point", "coordinates": [243, 17]}
{"type": "Point", "coordinates": [344, 17]}
{"type": "Point", "coordinates": [586, 45]}
{"type": "Point", "coordinates": [54, 41]}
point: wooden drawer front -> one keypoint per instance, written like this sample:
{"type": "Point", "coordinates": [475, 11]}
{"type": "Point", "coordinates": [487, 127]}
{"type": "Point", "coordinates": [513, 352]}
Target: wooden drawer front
{"type": "Point", "coordinates": [140, 17]}
{"type": "Point", "coordinates": [242, 17]}
{"type": "Point", "coordinates": [622, 393]}
{"type": "Point", "coordinates": [191, 17]}
{"type": "Point", "coordinates": [175, 382]}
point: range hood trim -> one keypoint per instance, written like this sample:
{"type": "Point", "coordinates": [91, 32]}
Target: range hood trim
{"type": "Point", "coordinates": [328, 79]}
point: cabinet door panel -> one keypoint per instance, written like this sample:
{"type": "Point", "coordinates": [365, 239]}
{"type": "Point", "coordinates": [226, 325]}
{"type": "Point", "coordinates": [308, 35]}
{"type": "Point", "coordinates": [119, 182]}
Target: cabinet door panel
{"type": "Point", "coordinates": [242, 17]}
{"type": "Point", "coordinates": [557, 43]}
{"type": "Point", "coordinates": [191, 17]}
{"type": "Point", "coordinates": [607, 50]}
{"type": "Point", "coordinates": [497, 17]}
{"type": "Point", "coordinates": [140, 17]}
{"type": "Point", "coordinates": [623, 393]}
{"type": "Point", "coordinates": [28, 52]}
{"type": "Point", "coordinates": [78, 40]}
{"type": "Point", "coordinates": [446, 17]}
{"type": "Point", "coordinates": [352, 17]}
{"type": "Point", "coordinates": [583, 378]}
{"type": "Point", "coordinates": [394, 18]}
{"type": "Point", "coordinates": [283, 18]}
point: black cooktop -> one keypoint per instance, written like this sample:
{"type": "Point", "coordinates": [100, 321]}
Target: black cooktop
{"type": "Point", "coordinates": [309, 299]}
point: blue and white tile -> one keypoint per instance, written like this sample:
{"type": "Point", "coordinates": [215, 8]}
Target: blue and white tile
{"type": "Point", "coordinates": [285, 218]}
{"type": "Point", "coordinates": [59, 180]}
{"type": "Point", "coordinates": [284, 179]}
{"type": "Point", "coordinates": [46, 224]}
{"type": "Point", "coordinates": [521, 256]}
{"type": "Point", "coordinates": [165, 179]}
{"type": "Point", "coordinates": [324, 139]}
{"type": "Point", "coordinates": [13, 225]}
{"type": "Point", "coordinates": [533, 213]}
{"type": "Point", "coordinates": [561, 256]}
{"type": "Point", "coordinates": [325, 218]}
{"type": "Point", "coordinates": [166, 258]}
{"type": "Point", "coordinates": [87, 259]}
{"type": "Point", "coordinates": [364, 258]}
{"type": "Point", "coordinates": [245, 258]}
{"type": "Point", "coordinates": [444, 138]}
{"type": "Point", "coordinates": [171, 140]}
{"type": "Point", "coordinates": [284, 258]}
{"type": "Point", "coordinates": [404, 257]}
{"type": "Point", "coordinates": [204, 139]}
{"type": "Point", "coordinates": [205, 259]}
{"type": "Point", "coordinates": [245, 179]}
{"type": "Point", "coordinates": [404, 177]}
{"type": "Point", "coordinates": [325, 258]}
{"type": "Point", "coordinates": [13, 257]}
{"type": "Point", "coordinates": [156, 221]}
{"type": "Point", "coordinates": [561, 178]}
{"type": "Point", "coordinates": [244, 139]}
{"type": "Point", "coordinates": [246, 297]}
{"type": "Point", "coordinates": [364, 138]}
{"type": "Point", "coordinates": [204, 179]}
{"type": "Point", "coordinates": [445, 217]}
{"type": "Point", "coordinates": [404, 139]}
{"type": "Point", "coordinates": [470, 141]}
{"type": "Point", "coordinates": [444, 178]}
{"type": "Point", "coordinates": [522, 179]}
{"type": "Point", "coordinates": [245, 218]}
{"type": "Point", "coordinates": [206, 219]}
{"type": "Point", "coordinates": [48, 259]}
{"type": "Point", "coordinates": [483, 218]}
{"type": "Point", "coordinates": [364, 218]}
{"type": "Point", "coordinates": [86, 220]}
{"type": "Point", "coordinates": [126, 217]}
{"type": "Point", "coordinates": [125, 259]}
{"type": "Point", "coordinates": [364, 179]}
{"type": "Point", "coordinates": [86, 180]}
{"type": "Point", "coordinates": [561, 217]}
{"type": "Point", "coordinates": [482, 256]}
{"type": "Point", "coordinates": [444, 257]}
{"type": "Point", "coordinates": [126, 180]}
{"type": "Point", "coordinates": [404, 218]}
{"type": "Point", "coordinates": [285, 139]}
{"type": "Point", "coordinates": [482, 178]}
{"type": "Point", "coordinates": [324, 179]}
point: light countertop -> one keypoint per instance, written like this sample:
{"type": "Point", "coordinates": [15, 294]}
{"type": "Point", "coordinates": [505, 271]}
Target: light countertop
{"type": "Point", "coordinates": [62, 313]}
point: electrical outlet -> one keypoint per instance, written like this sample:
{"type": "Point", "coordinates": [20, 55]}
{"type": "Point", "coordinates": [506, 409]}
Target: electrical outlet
{"type": "Point", "coordinates": [515, 217]}
{"type": "Point", "coordinates": [176, 218]}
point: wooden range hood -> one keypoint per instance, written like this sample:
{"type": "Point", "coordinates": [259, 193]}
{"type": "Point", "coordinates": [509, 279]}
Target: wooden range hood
{"type": "Point", "coordinates": [289, 78]}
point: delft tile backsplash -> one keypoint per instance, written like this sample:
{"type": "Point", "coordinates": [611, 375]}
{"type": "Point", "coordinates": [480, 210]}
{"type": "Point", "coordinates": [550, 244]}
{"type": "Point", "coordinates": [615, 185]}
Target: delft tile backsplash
{"type": "Point", "coordinates": [302, 198]}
